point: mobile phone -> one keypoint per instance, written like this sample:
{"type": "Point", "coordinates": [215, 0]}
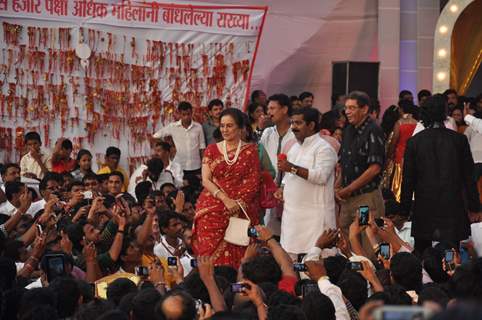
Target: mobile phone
{"type": "Point", "coordinates": [39, 228]}
{"type": "Point", "coordinates": [385, 251]}
{"type": "Point", "coordinates": [380, 223]}
{"type": "Point", "coordinates": [363, 212]}
{"type": "Point", "coordinates": [402, 313]}
{"type": "Point", "coordinates": [252, 233]}
{"type": "Point", "coordinates": [238, 287]}
{"type": "Point", "coordinates": [87, 194]}
{"type": "Point", "coordinates": [449, 259]}
{"type": "Point", "coordinates": [55, 266]}
{"type": "Point", "coordinates": [193, 263]}
{"type": "Point", "coordinates": [264, 251]}
{"type": "Point", "coordinates": [355, 266]}
{"type": "Point", "coordinates": [464, 254]}
{"type": "Point", "coordinates": [199, 303]}
{"type": "Point", "coordinates": [141, 271]}
{"type": "Point", "coordinates": [172, 261]}
{"type": "Point", "coordinates": [300, 267]}
{"type": "Point", "coordinates": [308, 288]}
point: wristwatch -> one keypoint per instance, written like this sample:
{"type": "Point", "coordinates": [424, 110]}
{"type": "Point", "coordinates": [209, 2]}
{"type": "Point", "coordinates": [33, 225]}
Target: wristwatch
{"type": "Point", "coordinates": [294, 170]}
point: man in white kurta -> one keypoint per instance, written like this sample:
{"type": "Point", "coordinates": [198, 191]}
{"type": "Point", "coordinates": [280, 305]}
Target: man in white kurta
{"type": "Point", "coordinates": [308, 193]}
{"type": "Point", "coordinates": [275, 140]}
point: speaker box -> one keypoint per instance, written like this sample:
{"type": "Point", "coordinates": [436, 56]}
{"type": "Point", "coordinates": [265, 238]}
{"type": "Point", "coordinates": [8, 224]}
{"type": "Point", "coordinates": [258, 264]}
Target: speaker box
{"type": "Point", "coordinates": [348, 76]}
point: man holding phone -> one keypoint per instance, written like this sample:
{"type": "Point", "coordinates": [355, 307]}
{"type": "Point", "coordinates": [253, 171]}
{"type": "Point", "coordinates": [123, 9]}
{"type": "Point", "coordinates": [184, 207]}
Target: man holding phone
{"type": "Point", "coordinates": [362, 159]}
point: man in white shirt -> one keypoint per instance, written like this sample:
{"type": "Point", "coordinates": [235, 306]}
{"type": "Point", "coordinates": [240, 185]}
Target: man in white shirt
{"type": "Point", "coordinates": [152, 173]}
{"type": "Point", "coordinates": [449, 124]}
{"type": "Point", "coordinates": [317, 272]}
{"type": "Point", "coordinates": [171, 243]}
{"type": "Point", "coordinates": [36, 162]}
{"type": "Point", "coordinates": [308, 192]}
{"type": "Point", "coordinates": [13, 192]}
{"type": "Point", "coordinates": [472, 122]}
{"type": "Point", "coordinates": [172, 169]}
{"type": "Point", "coordinates": [8, 173]}
{"type": "Point", "coordinates": [171, 172]}
{"type": "Point", "coordinates": [474, 135]}
{"type": "Point", "coordinates": [189, 139]}
{"type": "Point", "coordinates": [275, 140]}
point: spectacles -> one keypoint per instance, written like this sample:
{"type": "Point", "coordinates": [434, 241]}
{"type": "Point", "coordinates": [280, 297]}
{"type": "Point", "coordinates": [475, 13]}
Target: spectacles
{"type": "Point", "coordinates": [352, 108]}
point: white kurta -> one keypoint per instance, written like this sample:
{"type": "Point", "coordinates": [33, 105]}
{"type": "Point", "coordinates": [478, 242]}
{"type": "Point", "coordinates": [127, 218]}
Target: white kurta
{"type": "Point", "coordinates": [270, 141]}
{"type": "Point", "coordinates": [309, 205]}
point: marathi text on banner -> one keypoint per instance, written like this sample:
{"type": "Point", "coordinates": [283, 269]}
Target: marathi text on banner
{"type": "Point", "coordinates": [222, 19]}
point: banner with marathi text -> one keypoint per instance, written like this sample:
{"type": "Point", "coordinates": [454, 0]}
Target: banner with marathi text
{"type": "Point", "coordinates": [228, 20]}
{"type": "Point", "coordinates": [141, 59]}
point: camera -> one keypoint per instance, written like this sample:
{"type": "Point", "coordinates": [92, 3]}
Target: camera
{"type": "Point", "coordinates": [355, 266]}
{"type": "Point", "coordinates": [380, 223]}
{"type": "Point", "coordinates": [300, 267]}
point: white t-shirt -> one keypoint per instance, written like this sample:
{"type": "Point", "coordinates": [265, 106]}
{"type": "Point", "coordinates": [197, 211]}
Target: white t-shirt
{"type": "Point", "coordinates": [188, 142]}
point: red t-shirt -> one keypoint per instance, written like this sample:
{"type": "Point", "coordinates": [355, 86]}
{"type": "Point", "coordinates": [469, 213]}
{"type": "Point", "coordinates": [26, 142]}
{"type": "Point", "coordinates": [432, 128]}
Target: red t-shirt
{"type": "Point", "coordinates": [287, 284]}
{"type": "Point", "coordinates": [63, 166]}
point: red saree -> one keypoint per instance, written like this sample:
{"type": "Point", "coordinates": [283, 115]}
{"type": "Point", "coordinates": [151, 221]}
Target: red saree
{"type": "Point", "coordinates": [241, 181]}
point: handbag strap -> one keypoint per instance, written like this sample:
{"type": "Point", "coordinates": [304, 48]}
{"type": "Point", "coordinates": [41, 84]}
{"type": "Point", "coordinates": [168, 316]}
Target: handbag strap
{"type": "Point", "coordinates": [242, 208]}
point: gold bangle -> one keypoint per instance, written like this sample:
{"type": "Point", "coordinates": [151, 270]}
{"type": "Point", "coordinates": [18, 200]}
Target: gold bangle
{"type": "Point", "coordinates": [216, 192]}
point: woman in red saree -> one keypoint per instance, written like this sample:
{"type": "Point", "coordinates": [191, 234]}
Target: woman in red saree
{"type": "Point", "coordinates": [231, 177]}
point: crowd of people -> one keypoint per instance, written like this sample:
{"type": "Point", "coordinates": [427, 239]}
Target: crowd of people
{"type": "Point", "coordinates": [277, 213]}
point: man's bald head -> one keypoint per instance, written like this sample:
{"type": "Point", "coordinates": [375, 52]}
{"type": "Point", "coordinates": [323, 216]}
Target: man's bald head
{"type": "Point", "coordinates": [178, 305]}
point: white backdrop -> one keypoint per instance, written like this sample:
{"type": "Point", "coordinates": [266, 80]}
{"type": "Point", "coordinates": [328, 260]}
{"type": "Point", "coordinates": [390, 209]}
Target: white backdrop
{"type": "Point", "coordinates": [301, 38]}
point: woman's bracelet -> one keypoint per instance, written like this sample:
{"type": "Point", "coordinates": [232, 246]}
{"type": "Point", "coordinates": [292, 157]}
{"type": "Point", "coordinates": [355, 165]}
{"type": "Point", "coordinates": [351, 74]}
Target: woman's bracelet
{"type": "Point", "coordinates": [216, 193]}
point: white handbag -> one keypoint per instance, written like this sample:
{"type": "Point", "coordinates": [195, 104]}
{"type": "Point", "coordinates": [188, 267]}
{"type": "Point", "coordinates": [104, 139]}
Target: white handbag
{"type": "Point", "coordinates": [237, 230]}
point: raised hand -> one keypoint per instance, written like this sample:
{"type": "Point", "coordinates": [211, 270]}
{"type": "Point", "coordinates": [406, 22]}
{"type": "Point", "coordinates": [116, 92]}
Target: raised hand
{"type": "Point", "coordinates": [119, 217]}
{"type": "Point", "coordinates": [179, 201]}
{"type": "Point", "coordinates": [327, 239]}
{"type": "Point", "coordinates": [65, 242]}
{"type": "Point", "coordinates": [264, 234]}
{"type": "Point", "coordinates": [316, 269]}
{"type": "Point", "coordinates": [89, 252]}
{"type": "Point", "coordinates": [253, 292]}
{"type": "Point", "coordinates": [25, 201]}
{"type": "Point", "coordinates": [205, 267]}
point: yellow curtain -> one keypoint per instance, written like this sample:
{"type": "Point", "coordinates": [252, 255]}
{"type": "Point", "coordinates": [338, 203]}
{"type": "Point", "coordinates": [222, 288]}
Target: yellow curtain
{"type": "Point", "coordinates": [466, 47]}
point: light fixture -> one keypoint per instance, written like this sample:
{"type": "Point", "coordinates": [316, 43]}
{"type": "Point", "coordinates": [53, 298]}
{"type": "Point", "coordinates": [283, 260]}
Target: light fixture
{"type": "Point", "coordinates": [442, 53]}
{"type": "Point", "coordinates": [443, 29]}
{"type": "Point", "coordinates": [441, 76]}
{"type": "Point", "coordinates": [453, 8]}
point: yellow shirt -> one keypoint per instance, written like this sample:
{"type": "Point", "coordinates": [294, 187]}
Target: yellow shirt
{"type": "Point", "coordinates": [106, 169]}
